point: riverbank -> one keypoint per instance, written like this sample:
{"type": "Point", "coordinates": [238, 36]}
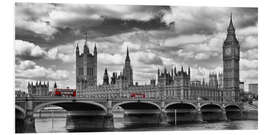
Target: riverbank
{"type": "Point", "coordinates": [250, 111]}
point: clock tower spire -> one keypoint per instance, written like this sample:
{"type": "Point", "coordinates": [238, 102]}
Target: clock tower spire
{"type": "Point", "coordinates": [231, 53]}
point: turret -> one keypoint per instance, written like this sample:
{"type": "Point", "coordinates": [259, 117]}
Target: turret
{"type": "Point", "coordinates": [77, 50]}
{"type": "Point", "coordinates": [55, 85]}
{"type": "Point", "coordinates": [105, 77]}
{"type": "Point", "coordinates": [95, 51]}
{"type": "Point", "coordinates": [189, 71]}
{"type": "Point", "coordinates": [28, 85]}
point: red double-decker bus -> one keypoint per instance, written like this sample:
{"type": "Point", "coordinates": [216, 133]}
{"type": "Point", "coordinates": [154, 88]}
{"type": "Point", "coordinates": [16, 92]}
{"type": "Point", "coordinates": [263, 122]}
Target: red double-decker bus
{"type": "Point", "coordinates": [65, 92]}
{"type": "Point", "coordinates": [134, 95]}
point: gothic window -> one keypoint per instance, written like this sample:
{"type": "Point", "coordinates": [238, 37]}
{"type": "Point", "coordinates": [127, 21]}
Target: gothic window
{"type": "Point", "coordinates": [88, 71]}
{"type": "Point", "coordinates": [80, 71]}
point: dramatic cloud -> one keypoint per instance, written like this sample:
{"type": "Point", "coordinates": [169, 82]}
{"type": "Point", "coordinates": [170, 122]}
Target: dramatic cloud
{"type": "Point", "coordinates": [30, 70]}
{"type": "Point", "coordinates": [28, 50]}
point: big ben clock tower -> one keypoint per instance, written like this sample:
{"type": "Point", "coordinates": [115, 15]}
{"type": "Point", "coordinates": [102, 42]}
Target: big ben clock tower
{"type": "Point", "coordinates": [231, 53]}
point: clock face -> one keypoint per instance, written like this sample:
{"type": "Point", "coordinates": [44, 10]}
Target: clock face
{"type": "Point", "coordinates": [228, 51]}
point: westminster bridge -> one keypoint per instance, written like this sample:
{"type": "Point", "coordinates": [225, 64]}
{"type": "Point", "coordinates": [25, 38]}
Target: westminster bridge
{"type": "Point", "coordinates": [98, 112]}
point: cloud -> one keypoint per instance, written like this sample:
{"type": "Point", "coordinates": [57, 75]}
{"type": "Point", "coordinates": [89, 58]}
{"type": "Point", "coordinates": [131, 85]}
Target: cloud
{"type": "Point", "coordinates": [28, 50]}
{"type": "Point", "coordinates": [29, 16]}
{"type": "Point", "coordinates": [246, 64]}
{"type": "Point", "coordinates": [110, 59]}
{"type": "Point", "coordinates": [30, 70]}
{"type": "Point", "coordinates": [147, 58]}
{"type": "Point", "coordinates": [62, 53]}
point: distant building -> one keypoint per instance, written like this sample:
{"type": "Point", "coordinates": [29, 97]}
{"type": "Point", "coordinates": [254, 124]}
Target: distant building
{"type": "Point", "coordinates": [220, 80]}
{"type": "Point", "coordinates": [213, 81]}
{"type": "Point", "coordinates": [253, 88]}
{"type": "Point", "coordinates": [38, 89]}
{"type": "Point", "coordinates": [241, 87]}
{"type": "Point", "coordinates": [19, 93]}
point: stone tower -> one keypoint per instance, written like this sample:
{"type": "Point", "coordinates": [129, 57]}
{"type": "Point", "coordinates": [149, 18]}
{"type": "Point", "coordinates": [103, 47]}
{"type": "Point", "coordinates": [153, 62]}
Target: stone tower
{"type": "Point", "coordinates": [127, 71]}
{"type": "Point", "coordinates": [106, 77]}
{"type": "Point", "coordinates": [231, 53]}
{"type": "Point", "coordinates": [213, 81]}
{"type": "Point", "coordinates": [86, 68]}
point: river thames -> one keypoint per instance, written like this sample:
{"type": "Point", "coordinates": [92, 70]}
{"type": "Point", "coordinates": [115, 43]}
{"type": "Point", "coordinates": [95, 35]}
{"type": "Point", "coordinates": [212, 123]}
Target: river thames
{"type": "Point", "coordinates": [46, 125]}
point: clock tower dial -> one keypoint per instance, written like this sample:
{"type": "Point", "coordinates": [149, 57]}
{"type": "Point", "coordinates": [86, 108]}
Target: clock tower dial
{"type": "Point", "coordinates": [231, 65]}
{"type": "Point", "coordinates": [228, 51]}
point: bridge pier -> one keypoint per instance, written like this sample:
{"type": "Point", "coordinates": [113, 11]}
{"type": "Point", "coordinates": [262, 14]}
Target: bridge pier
{"type": "Point", "coordinates": [224, 115]}
{"type": "Point", "coordinates": [199, 115]}
{"type": "Point", "coordinates": [163, 117]}
{"type": "Point", "coordinates": [29, 120]}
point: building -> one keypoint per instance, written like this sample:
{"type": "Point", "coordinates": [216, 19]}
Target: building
{"type": "Point", "coordinates": [38, 89]}
{"type": "Point", "coordinates": [231, 53]}
{"type": "Point", "coordinates": [220, 80]}
{"type": "Point", "coordinates": [19, 93]}
{"type": "Point", "coordinates": [171, 84]}
{"type": "Point", "coordinates": [253, 88]}
{"type": "Point", "coordinates": [242, 87]}
{"type": "Point", "coordinates": [86, 67]}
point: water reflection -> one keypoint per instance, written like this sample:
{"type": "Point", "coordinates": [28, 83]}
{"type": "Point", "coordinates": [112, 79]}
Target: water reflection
{"type": "Point", "coordinates": [58, 125]}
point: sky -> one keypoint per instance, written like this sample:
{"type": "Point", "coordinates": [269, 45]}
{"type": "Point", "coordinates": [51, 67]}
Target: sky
{"type": "Point", "coordinates": [46, 35]}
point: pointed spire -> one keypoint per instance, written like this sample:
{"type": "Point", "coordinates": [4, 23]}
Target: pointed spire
{"type": "Point", "coordinates": [182, 69]}
{"type": "Point", "coordinates": [55, 85]}
{"type": "Point", "coordinates": [188, 70]}
{"type": "Point", "coordinates": [95, 49]}
{"type": "Point", "coordinates": [85, 37]}
{"type": "Point", "coordinates": [77, 49]}
{"type": "Point", "coordinates": [127, 56]}
{"type": "Point", "coordinates": [231, 27]}
{"type": "Point", "coordinates": [85, 48]}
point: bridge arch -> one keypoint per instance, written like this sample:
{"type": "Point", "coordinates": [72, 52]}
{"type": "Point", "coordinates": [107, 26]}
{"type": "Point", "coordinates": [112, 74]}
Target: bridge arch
{"type": "Point", "coordinates": [212, 112]}
{"type": "Point", "coordinates": [211, 104]}
{"type": "Point", "coordinates": [20, 109]}
{"type": "Point", "coordinates": [172, 103]}
{"type": "Point", "coordinates": [233, 105]}
{"type": "Point", "coordinates": [233, 112]}
{"type": "Point", "coordinates": [61, 103]}
{"type": "Point", "coordinates": [134, 102]}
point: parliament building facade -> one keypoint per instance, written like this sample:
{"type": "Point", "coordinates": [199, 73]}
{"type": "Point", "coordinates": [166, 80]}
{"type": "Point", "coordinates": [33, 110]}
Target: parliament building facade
{"type": "Point", "coordinates": [173, 84]}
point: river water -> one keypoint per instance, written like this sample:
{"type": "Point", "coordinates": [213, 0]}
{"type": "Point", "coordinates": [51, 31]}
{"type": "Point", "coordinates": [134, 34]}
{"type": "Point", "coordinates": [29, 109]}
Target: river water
{"type": "Point", "coordinates": [45, 125]}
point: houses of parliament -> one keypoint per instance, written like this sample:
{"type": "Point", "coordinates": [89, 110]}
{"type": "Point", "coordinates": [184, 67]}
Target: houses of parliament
{"type": "Point", "coordinates": [172, 84]}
